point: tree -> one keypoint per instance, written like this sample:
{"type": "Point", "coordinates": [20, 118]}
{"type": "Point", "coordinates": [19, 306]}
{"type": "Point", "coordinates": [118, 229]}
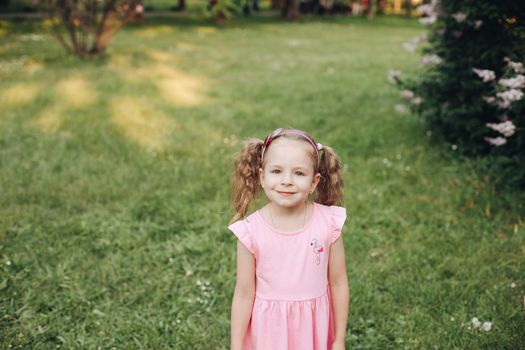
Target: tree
{"type": "Point", "coordinates": [85, 27]}
{"type": "Point", "coordinates": [290, 9]}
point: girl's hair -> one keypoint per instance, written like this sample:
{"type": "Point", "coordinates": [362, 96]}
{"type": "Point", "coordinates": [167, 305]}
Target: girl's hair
{"type": "Point", "coordinates": [246, 185]}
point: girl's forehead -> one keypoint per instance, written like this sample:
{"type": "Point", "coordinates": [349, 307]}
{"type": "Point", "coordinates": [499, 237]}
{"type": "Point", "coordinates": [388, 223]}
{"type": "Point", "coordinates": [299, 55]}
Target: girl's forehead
{"type": "Point", "coordinates": [289, 151]}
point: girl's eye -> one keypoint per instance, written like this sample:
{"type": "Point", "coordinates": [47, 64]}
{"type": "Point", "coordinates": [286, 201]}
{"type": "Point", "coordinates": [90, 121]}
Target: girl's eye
{"type": "Point", "coordinates": [275, 171]}
{"type": "Point", "coordinates": [300, 173]}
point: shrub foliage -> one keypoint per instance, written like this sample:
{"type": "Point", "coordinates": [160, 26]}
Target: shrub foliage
{"type": "Point", "coordinates": [471, 93]}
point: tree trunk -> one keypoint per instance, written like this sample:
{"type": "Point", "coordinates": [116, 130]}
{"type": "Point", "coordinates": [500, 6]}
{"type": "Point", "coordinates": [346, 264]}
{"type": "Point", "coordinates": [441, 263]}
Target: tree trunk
{"type": "Point", "coordinates": [409, 8]}
{"type": "Point", "coordinates": [277, 4]}
{"type": "Point", "coordinates": [181, 5]}
{"type": "Point", "coordinates": [291, 9]}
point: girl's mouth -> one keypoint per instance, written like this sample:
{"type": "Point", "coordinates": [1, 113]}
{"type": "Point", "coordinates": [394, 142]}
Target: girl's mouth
{"type": "Point", "coordinates": [285, 193]}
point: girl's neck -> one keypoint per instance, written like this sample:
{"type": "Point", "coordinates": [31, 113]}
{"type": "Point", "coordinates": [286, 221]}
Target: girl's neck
{"type": "Point", "coordinates": [288, 212]}
{"type": "Point", "coordinates": [288, 219]}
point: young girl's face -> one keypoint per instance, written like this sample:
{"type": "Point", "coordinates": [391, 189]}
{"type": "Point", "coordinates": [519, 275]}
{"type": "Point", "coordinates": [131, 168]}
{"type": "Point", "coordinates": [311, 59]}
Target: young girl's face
{"type": "Point", "coordinates": [288, 174]}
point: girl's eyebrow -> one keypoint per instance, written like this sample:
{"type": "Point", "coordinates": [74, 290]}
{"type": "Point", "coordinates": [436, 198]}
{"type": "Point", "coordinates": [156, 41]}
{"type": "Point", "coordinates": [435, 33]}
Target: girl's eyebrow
{"type": "Point", "coordinates": [294, 168]}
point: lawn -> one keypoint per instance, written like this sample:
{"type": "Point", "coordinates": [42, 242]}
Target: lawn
{"type": "Point", "coordinates": [114, 182]}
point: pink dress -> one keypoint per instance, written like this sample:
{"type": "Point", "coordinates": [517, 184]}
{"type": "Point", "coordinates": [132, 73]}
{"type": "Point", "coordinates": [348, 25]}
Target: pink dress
{"type": "Point", "coordinates": [292, 308]}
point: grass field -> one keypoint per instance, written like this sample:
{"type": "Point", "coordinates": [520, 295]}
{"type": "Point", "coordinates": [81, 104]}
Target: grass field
{"type": "Point", "coordinates": [114, 182]}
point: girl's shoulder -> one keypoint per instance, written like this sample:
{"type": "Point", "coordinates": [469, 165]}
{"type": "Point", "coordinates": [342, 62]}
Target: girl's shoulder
{"type": "Point", "coordinates": [330, 211]}
{"type": "Point", "coordinates": [334, 216]}
{"type": "Point", "coordinates": [243, 229]}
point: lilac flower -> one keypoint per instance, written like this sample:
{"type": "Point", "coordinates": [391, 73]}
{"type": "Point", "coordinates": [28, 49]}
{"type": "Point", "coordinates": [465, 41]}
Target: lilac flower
{"type": "Point", "coordinates": [406, 94]}
{"type": "Point", "coordinates": [485, 74]}
{"type": "Point", "coordinates": [427, 9]}
{"type": "Point", "coordinates": [459, 16]}
{"type": "Point", "coordinates": [518, 82]}
{"type": "Point", "coordinates": [506, 128]}
{"type": "Point", "coordinates": [503, 104]}
{"type": "Point", "coordinates": [409, 47]}
{"type": "Point", "coordinates": [416, 101]}
{"type": "Point", "coordinates": [478, 23]}
{"type": "Point", "coordinates": [399, 108]}
{"type": "Point", "coordinates": [491, 100]}
{"type": "Point", "coordinates": [428, 20]}
{"type": "Point", "coordinates": [517, 67]}
{"type": "Point", "coordinates": [486, 326]}
{"type": "Point", "coordinates": [393, 75]}
{"type": "Point", "coordinates": [420, 38]}
{"type": "Point", "coordinates": [139, 9]}
{"type": "Point", "coordinates": [431, 59]}
{"type": "Point", "coordinates": [498, 141]}
{"type": "Point", "coordinates": [510, 95]}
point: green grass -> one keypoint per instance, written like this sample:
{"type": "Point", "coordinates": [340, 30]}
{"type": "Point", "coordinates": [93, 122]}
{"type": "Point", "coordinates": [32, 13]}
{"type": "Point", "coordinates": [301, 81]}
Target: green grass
{"type": "Point", "coordinates": [114, 182]}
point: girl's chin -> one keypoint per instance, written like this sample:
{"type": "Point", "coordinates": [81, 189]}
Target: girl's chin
{"type": "Point", "coordinates": [287, 202]}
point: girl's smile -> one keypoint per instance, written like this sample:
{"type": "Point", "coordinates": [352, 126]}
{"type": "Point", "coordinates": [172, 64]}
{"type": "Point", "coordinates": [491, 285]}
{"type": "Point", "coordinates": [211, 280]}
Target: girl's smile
{"type": "Point", "coordinates": [285, 193]}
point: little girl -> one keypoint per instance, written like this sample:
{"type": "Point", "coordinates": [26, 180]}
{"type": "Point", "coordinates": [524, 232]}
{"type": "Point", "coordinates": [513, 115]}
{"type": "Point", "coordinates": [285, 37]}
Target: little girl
{"type": "Point", "coordinates": [292, 290]}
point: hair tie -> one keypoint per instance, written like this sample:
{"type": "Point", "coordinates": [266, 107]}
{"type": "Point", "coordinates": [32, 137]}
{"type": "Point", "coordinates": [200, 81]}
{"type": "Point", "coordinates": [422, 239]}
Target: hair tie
{"type": "Point", "coordinates": [321, 150]}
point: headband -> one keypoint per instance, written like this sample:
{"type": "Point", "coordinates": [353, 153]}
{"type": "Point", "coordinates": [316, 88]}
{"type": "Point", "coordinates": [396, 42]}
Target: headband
{"type": "Point", "coordinates": [279, 132]}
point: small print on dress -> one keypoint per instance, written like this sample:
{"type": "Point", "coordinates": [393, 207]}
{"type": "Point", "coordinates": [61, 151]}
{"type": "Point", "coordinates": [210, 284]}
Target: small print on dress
{"type": "Point", "coordinates": [317, 250]}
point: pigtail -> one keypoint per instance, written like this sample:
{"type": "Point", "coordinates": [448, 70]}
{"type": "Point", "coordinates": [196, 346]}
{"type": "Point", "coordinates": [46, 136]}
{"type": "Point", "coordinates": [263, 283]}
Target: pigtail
{"type": "Point", "coordinates": [245, 179]}
{"type": "Point", "coordinates": [329, 191]}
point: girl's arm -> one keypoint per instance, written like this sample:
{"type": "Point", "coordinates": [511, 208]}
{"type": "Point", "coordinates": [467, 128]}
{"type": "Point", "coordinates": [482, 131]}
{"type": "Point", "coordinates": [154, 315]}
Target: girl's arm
{"type": "Point", "coordinates": [339, 290]}
{"type": "Point", "coordinates": [243, 296]}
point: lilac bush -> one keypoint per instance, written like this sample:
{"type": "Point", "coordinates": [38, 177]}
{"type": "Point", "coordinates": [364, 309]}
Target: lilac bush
{"type": "Point", "coordinates": [471, 90]}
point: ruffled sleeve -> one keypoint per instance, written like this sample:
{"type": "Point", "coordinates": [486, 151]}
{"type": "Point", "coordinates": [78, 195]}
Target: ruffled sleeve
{"type": "Point", "coordinates": [338, 219]}
{"type": "Point", "coordinates": [241, 231]}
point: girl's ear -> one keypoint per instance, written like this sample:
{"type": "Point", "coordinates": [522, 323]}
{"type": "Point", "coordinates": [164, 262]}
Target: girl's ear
{"type": "Point", "coordinates": [315, 181]}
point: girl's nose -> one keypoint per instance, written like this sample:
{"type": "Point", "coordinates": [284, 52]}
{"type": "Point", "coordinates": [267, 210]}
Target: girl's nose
{"type": "Point", "coordinates": [286, 179]}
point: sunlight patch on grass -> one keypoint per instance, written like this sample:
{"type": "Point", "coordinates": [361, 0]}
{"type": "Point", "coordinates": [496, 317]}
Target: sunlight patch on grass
{"type": "Point", "coordinates": [50, 119]}
{"type": "Point", "coordinates": [142, 123]}
{"type": "Point", "coordinates": [33, 66]}
{"type": "Point", "coordinates": [176, 87]}
{"type": "Point", "coordinates": [19, 95]}
{"type": "Point", "coordinates": [118, 60]}
{"type": "Point", "coordinates": [186, 46]}
{"type": "Point", "coordinates": [161, 56]}
{"type": "Point", "coordinates": [5, 48]}
{"type": "Point", "coordinates": [75, 92]}
{"type": "Point", "coordinates": [205, 30]}
{"type": "Point", "coordinates": [151, 32]}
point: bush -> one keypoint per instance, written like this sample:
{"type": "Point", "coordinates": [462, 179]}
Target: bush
{"type": "Point", "coordinates": [471, 93]}
{"type": "Point", "coordinates": [90, 25]}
